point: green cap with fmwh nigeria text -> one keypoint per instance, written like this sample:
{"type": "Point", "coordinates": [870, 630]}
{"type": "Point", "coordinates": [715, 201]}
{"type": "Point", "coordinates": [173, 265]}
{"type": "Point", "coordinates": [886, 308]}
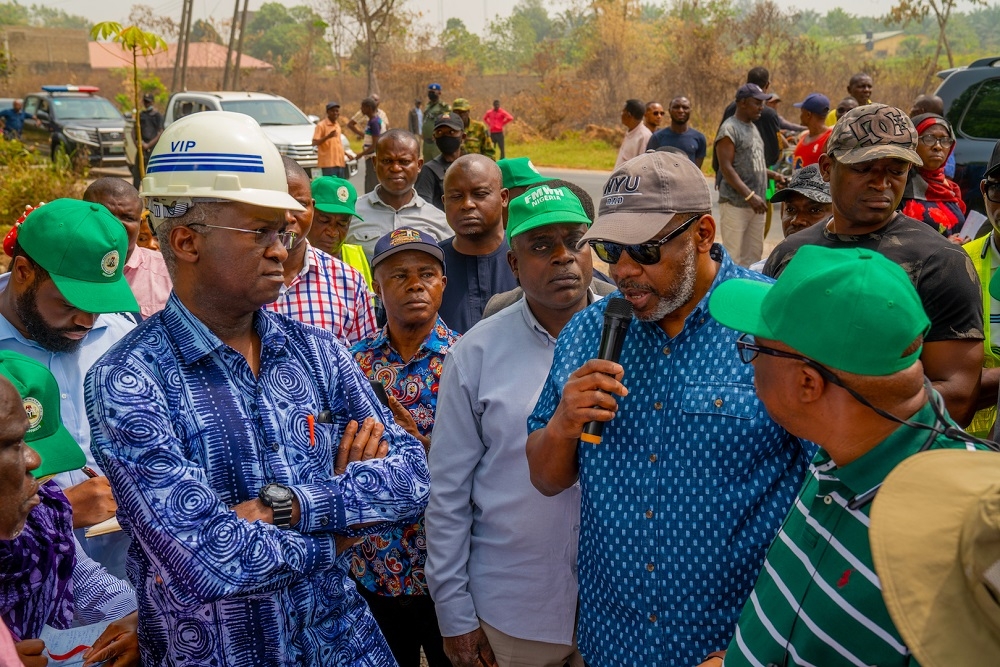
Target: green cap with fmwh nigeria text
{"type": "Point", "coordinates": [82, 246]}
{"type": "Point", "coordinates": [851, 310]}
{"type": "Point", "coordinates": [543, 206]}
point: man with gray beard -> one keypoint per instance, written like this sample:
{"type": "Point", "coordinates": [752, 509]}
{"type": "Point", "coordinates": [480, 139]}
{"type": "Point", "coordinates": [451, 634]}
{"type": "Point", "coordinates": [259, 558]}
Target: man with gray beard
{"type": "Point", "coordinates": [690, 482]}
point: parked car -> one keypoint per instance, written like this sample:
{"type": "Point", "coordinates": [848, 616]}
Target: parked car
{"type": "Point", "coordinates": [283, 122]}
{"type": "Point", "coordinates": [971, 97]}
{"type": "Point", "coordinates": [75, 118]}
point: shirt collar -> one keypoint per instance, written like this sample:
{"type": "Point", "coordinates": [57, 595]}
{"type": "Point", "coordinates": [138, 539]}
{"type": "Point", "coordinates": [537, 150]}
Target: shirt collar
{"type": "Point", "coordinates": [869, 470]}
{"type": "Point", "coordinates": [538, 329]}
{"type": "Point", "coordinates": [437, 341]}
{"type": "Point", "coordinates": [195, 341]}
{"type": "Point", "coordinates": [416, 201]}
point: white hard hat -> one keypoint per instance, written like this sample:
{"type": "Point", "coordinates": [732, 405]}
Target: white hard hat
{"type": "Point", "coordinates": [217, 155]}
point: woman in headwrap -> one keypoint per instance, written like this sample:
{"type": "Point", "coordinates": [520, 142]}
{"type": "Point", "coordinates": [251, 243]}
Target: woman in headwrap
{"type": "Point", "coordinates": [929, 195]}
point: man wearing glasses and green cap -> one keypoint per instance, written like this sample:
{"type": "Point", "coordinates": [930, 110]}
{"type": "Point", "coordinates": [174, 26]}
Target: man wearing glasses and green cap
{"type": "Point", "coordinates": [691, 470]}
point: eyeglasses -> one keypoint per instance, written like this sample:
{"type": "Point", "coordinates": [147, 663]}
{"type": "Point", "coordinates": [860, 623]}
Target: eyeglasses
{"type": "Point", "coordinates": [929, 140]}
{"type": "Point", "coordinates": [993, 191]}
{"type": "Point", "coordinates": [643, 253]}
{"type": "Point", "coordinates": [748, 349]}
{"type": "Point", "coordinates": [264, 237]}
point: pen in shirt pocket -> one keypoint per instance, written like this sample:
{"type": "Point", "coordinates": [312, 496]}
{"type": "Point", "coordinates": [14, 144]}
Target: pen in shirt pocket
{"type": "Point", "coordinates": [324, 417]}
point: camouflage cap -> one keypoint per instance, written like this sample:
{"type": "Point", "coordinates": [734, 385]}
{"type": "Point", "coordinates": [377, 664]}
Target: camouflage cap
{"type": "Point", "coordinates": [808, 182]}
{"type": "Point", "coordinates": [461, 104]}
{"type": "Point", "coordinates": [872, 132]}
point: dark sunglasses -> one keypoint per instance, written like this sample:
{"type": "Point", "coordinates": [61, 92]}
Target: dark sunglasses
{"type": "Point", "coordinates": [993, 191]}
{"type": "Point", "coordinates": [643, 253]}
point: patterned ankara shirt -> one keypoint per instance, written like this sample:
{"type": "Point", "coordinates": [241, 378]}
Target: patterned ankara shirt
{"type": "Point", "coordinates": [392, 563]}
{"type": "Point", "coordinates": [331, 295]}
{"type": "Point", "coordinates": [185, 432]}
{"type": "Point", "coordinates": [818, 600]}
{"type": "Point", "coordinates": [683, 496]}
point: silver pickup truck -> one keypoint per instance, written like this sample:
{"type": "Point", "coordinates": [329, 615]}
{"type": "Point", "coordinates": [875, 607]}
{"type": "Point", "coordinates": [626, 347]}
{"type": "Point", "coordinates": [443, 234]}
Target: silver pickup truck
{"type": "Point", "coordinates": [283, 122]}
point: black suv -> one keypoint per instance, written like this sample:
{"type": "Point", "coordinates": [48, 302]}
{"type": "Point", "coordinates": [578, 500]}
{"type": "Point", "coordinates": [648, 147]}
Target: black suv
{"type": "Point", "coordinates": [972, 105]}
{"type": "Point", "coordinates": [75, 117]}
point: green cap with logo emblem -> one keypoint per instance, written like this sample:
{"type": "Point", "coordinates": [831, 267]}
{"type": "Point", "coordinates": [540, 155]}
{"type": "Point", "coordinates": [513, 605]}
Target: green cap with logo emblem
{"type": "Point", "coordinates": [83, 247]}
{"type": "Point", "coordinates": [335, 195]}
{"type": "Point", "coordinates": [46, 434]}
{"type": "Point", "coordinates": [543, 206]}
{"type": "Point", "coordinates": [849, 309]}
{"type": "Point", "coordinates": [518, 172]}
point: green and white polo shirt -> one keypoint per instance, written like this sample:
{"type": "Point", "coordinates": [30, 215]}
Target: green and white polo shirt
{"type": "Point", "coordinates": [818, 600]}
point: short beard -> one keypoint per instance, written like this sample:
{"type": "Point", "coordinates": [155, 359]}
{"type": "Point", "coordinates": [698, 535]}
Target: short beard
{"type": "Point", "coordinates": [38, 329]}
{"type": "Point", "coordinates": [677, 295]}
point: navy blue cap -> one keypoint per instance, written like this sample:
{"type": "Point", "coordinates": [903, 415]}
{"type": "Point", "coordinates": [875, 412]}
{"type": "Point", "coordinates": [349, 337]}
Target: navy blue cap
{"type": "Point", "coordinates": [330, 105]}
{"type": "Point", "coordinates": [406, 238]}
{"type": "Point", "coordinates": [750, 90]}
{"type": "Point", "coordinates": [434, 86]}
{"type": "Point", "coordinates": [816, 103]}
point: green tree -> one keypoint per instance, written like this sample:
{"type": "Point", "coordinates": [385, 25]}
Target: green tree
{"type": "Point", "coordinates": [907, 11]}
{"type": "Point", "coordinates": [139, 42]}
{"type": "Point", "coordinates": [462, 47]}
{"type": "Point", "coordinates": [13, 13]}
{"type": "Point", "coordinates": [49, 17]}
{"type": "Point", "coordinates": [838, 23]}
{"type": "Point", "coordinates": [203, 31]}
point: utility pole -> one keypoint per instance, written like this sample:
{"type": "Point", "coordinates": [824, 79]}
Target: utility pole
{"type": "Point", "coordinates": [232, 43]}
{"type": "Point", "coordinates": [239, 47]}
{"type": "Point", "coordinates": [179, 49]}
{"type": "Point", "coordinates": [186, 31]}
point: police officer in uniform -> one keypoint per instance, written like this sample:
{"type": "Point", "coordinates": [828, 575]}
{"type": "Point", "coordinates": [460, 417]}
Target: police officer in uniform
{"type": "Point", "coordinates": [435, 107]}
{"type": "Point", "coordinates": [477, 136]}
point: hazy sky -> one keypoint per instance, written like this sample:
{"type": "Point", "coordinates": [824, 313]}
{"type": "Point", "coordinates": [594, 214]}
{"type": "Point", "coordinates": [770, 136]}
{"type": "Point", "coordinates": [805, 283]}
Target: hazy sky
{"type": "Point", "coordinates": [473, 12]}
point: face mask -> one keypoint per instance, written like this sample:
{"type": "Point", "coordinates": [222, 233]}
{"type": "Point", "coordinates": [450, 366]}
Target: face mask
{"type": "Point", "coordinates": [448, 145]}
{"type": "Point", "coordinates": [433, 97]}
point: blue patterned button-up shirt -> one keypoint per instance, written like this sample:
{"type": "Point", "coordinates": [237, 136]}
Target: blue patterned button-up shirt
{"type": "Point", "coordinates": [392, 563]}
{"type": "Point", "coordinates": [684, 494]}
{"type": "Point", "coordinates": [185, 431]}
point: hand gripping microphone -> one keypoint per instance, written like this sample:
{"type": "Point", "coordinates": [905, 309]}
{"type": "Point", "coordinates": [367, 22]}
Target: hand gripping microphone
{"type": "Point", "coordinates": [617, 317]}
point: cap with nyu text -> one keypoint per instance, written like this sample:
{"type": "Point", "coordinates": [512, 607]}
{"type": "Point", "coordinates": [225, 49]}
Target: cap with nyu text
{"type": "Point", "coordinates": [872, 132]}
{"type": "Point", "coordinates": [808, 182]}
{"type": "Point", "coordinates": [335, 195]}
{"type": "Point", "coordinates": [750, 90]}
{"type": "Point", "coordinates": [830, 305]}
{"type": "Point", "coordinates": [83, 247]}
{"type": "Point", "coordinates": [645, 193]}
{"type": "Point", "coordinates": [543, 206]}
{"type": "Point", "coordinates": [406, 238]}
{"type": "Point", "coordinates": [816, 103]}
{"type": "Point", "coordinates": [46, 434]}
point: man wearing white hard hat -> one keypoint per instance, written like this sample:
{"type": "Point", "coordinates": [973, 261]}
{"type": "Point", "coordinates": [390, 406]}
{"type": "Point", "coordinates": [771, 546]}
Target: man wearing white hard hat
{"type": "Point", "coordinates": [246, 450]}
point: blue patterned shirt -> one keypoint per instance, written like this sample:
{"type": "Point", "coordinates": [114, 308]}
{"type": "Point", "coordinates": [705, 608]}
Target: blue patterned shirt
{"type": "Point", "coordinates": [185, 431]}
{"type": "Point", "coordinates": [392, 563]}
{"type": "Point", "coordinates": [684, 494]}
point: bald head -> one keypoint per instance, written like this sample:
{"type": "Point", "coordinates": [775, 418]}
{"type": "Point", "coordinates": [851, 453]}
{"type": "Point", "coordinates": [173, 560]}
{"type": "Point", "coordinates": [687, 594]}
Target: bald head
{"type": "Point", "coordinates": [474, 198]}
{"type": "Point", "coordinates": [927, 104]}
{"type": "Point", "coordinates": [398, 139]}
{"type": "Point", "coordinates": [122, 199]}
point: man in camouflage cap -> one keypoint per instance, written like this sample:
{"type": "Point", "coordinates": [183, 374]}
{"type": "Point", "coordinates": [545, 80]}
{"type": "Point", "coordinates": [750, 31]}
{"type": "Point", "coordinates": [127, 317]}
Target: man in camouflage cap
{"type": "Point", "coordinates": [477, 137]}
{"type": "Point", "coordinates": [867, 159]}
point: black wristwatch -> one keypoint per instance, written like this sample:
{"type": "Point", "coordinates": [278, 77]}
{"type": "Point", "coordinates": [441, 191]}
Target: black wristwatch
{"type": "Point", "coordinates": [279, 498]}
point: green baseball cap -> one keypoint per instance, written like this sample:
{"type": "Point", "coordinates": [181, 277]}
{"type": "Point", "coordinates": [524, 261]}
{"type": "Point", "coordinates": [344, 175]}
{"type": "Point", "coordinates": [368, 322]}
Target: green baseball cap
{"type": "Point", "coordinates": [461, 104]}
{"type": "Point", "coordinates": [849, 309]}
{"type": "Point", "coordinates": [544, 206]}
{"type": "Point", "coordinates": [518, 172]}
{"type": "Point", "coordinates": [46, 434]}
{"type": "Point", "coordinates": [335, 195]}
{"type": "Point", "coordinates": [83, 247]}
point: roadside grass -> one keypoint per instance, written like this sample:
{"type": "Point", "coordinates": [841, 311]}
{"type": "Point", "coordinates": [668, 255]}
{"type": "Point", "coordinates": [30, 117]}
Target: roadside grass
{"type": "Point", "coordinates": [566, 153]}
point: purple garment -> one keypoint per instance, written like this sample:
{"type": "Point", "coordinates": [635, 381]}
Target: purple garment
{"type": "Point", "coordinates": [36, 569]}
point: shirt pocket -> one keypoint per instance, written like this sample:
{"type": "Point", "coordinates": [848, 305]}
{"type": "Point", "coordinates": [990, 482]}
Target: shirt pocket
{"type": "Point", "coordinates": [725, 423]}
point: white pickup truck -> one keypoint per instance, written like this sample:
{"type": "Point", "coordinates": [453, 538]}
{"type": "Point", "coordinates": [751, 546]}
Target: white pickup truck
{"type": "Point", "coordinates": [283, 122]}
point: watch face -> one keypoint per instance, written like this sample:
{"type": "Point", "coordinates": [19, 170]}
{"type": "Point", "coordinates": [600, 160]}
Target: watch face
{"type": "Point", "coordinates": [278, 493]}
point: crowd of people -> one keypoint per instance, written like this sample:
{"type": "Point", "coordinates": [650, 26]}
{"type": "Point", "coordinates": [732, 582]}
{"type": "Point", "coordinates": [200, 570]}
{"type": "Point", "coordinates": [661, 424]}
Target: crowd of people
{"type": "Point", "coordinates": [343, 429]}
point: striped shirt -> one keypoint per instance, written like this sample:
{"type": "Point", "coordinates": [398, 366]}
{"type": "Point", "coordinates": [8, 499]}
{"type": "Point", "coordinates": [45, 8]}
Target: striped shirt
{"type": "Point", "coordinates": [330, 295]}
{"type": "Point", "coordinates": [818, 600]}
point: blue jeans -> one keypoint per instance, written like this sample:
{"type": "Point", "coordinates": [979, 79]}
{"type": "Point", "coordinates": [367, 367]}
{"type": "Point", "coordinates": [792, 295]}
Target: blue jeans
{"type": "Point", "coordinates": [339, 172]}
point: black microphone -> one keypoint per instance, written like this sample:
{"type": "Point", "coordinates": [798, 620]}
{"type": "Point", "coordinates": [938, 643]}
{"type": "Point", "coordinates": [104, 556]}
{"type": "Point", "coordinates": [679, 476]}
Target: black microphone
{"type": "Point", "coordinates": [617, 317]}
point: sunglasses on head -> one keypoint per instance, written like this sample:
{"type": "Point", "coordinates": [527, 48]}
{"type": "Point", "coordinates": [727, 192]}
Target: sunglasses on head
{"type": "Point", "coordinates": [642, 253]}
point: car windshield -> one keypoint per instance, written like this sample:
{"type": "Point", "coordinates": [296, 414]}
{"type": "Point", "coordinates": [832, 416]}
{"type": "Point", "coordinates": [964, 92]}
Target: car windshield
{"type": "Point", "coordinates": [268, 112]}
{"type": "Point", "coordinates": [84, 108]}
